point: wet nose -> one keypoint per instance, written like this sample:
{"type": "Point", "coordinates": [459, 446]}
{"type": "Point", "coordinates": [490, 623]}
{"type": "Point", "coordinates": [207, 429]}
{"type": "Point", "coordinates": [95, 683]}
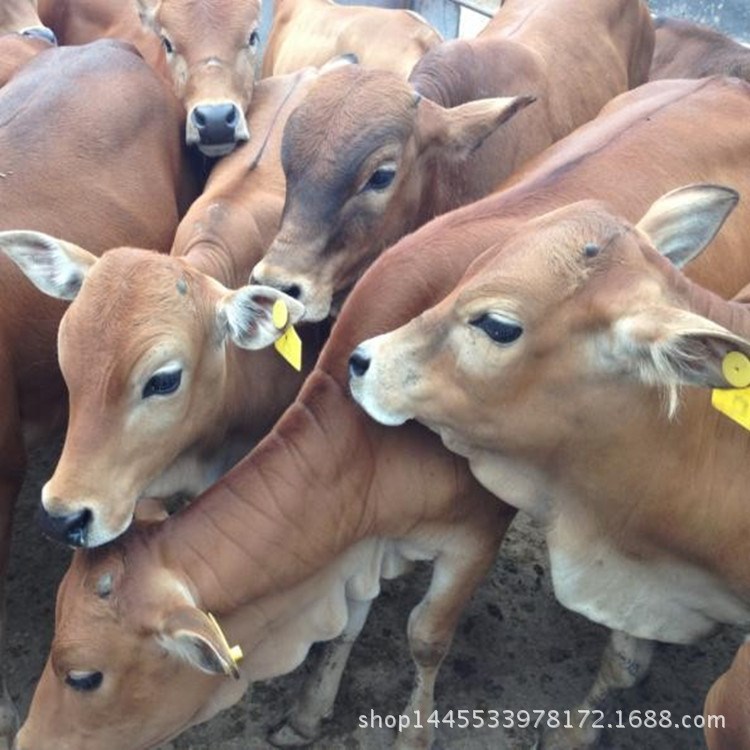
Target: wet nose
{"type": "Point", "coordinates": [41, 32]}
{"type": "Point", "coordinates": [69, 529]}
{"type": "Point", "coordinates": [359, 363]}
{"type": "Point", "coordinates": [216, 123]}
{"type": "Point", "coordinates": [293, 290]}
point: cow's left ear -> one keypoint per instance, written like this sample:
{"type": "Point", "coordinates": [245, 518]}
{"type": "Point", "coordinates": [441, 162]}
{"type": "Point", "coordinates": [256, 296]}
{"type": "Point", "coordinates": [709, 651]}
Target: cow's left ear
{"type": "Point", "coordinates": [54, 266]}
{"type": "Point", "coordinates": [672, 347]}
{"type": "Point", "coordinates": [683, 222]}
{"type": "Point", "coordinates": [247, 315]}
{"type": "Point", "coordinates": [461, 130]}
{"type": "Point", "coordinates": [191, 635]}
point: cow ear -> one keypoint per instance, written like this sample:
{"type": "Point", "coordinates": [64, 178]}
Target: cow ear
{"type": "Point", "coordinates": [461, 130]}
{"type": "Point", "coordinates": [247, 315]}
{"type": "Point", "coordinates": [683, 222]}
{"type": "Point", "coordinates": [670, 347]}
{"type": "Point", "coordinates": [193, 636]}
{"type": "Point", "coordinates": [147, 10]}
{"type": "Point", "coordinates": [54, 266]}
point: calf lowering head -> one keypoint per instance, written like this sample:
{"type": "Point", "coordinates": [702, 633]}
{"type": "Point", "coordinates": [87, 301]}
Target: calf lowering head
{"type": "Point", "coordinates": [143, 348]}
{"type": "Point", "coordinates": [127, 669]}
{"type": "Point", "coordinates": [358, 154]}
{"type": "Point", "coordinates": [211, 50]}
{"type": "Point", "coordinates": [575, 311]}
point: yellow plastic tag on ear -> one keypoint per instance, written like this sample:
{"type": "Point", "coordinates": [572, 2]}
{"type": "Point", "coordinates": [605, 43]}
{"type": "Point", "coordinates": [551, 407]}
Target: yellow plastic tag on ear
{"type": "Point", "coordinates": [736, 369]}
{"type": "Point", "coordinates": [280, 314]}
{"type": "Point", "coordinates": [734, 403]}
{"type": "Point", "coordinates": [289, 346]}
{"type": "Point", "coordinates": [235, 652]}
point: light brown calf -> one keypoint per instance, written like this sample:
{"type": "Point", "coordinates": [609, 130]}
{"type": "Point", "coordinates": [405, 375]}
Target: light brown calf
{"type": "Point", "coordinates": [110, 169]}
{"type": "Point", "coordinates": [211, 50]}
{"type": "Point", "coordinates": [555, 368]}
{"type": "Point", "coordinates": [170, 396]}
{"type": "Point", "coordinates": [727, 722]}
{"type": "Point", "coordinates": [688, 50]}
{"type": "Point", "coordinates": [369, 159]}
{"type": "Point", "coordinates": [311, 32]}
{"type": "Point", "coordinates": [327, 468]}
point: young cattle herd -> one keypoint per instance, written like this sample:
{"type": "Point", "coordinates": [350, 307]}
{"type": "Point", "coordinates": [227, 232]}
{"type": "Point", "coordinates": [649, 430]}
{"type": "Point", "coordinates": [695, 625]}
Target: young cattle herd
{"type": "Point", "coordinates": [363, 307]}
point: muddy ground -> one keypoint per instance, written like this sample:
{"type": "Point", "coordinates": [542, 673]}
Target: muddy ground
{"type": "Point", "coordinates": [516, 648]}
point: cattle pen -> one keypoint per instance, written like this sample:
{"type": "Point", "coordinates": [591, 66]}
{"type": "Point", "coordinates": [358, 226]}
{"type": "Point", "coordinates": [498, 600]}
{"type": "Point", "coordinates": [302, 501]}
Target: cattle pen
{"type": "Point", "coordinates": [516, 649]}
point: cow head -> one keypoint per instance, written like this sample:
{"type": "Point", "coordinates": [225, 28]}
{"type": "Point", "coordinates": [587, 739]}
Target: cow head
{"type": "Point", "coordinates": [571, 315]}
{"type": "Point", "coordinates": [356, 154]}
{"type": "Point", "coordinates": [211, 50]}
{"type": "Point", "coordinates": [144, 350]}
{"type": "Point", "coordinates": [130, 665]}
{"type": "Point", "coordinates": [21, 16]}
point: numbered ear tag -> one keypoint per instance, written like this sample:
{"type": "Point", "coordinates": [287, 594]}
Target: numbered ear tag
{"type": "Point", "coordinates": [235, 652]}
{"type": "Point", "coordinates": [734, 403]}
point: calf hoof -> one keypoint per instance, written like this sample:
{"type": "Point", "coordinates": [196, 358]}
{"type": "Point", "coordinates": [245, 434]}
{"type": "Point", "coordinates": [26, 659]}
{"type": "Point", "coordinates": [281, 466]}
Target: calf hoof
{"type": "Point", "coordinates": [286, 735]}
{"type": "Point", "coordinates": [568, 739]}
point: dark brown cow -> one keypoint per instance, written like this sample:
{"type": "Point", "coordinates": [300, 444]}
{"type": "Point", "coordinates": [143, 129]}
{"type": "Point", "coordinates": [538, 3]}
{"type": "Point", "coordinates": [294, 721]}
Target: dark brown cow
{"type": "Point", "coordinates": [326, 468]}
{"type": "Point", "coordinates": [368, 160]}
{"type": "Point", "coordinates": [211, 50]}
{"type": "Point", "coordinates": [108, 172]}
{"type": "Point", "coordinates": [688, 50]}
{"type": "Point", "coordinates": [169, 320]}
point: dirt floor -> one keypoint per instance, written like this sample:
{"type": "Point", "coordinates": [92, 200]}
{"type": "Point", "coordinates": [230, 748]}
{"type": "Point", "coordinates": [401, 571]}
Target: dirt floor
{"type": "Point", "coordinates": [516, 649]}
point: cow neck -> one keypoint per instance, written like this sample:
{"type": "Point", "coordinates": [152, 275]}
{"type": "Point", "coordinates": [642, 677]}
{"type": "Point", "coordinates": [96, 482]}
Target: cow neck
{"type": "Point", "coordinates": [326, 477]}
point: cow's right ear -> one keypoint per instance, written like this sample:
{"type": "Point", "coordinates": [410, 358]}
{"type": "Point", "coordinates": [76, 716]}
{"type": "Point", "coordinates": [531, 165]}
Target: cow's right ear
{"type": "Point", "coordinates": [54, 266]}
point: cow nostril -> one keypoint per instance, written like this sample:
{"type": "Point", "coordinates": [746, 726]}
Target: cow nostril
{"type": "Point", "coordinates": [293, 290]}
{"type": "Point", "coordinates": [232, 117]}
{"type": "Point", "coordinates": [71, 529]}
{"type": "Point", "coordinates": [199, 118]}
{"type": "Point", "coordinates": [359, 363]}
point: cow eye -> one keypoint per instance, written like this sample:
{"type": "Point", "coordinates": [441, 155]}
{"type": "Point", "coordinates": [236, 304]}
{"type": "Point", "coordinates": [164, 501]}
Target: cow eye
{"type": "Point", "coordinates": [168, 47]}
{"type": "Point", "coordinates": [254, 39]}
{"type": "Point", "coordinates": [500, 330]}
{"type": "Point", "coordinates": [162, 383]}
{"type": "Point", "coordinates": [380, 179]}
{"type": "Point", "coordinates": [84, 682]}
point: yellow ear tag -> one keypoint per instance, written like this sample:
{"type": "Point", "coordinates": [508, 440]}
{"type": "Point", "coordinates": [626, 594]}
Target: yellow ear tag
{"type": "Point", "coordinates": [235, 652]}
{"type": "Point", "coordinates": [280, 314]}
{"type": "Point", "coordinates": [289, 346]}
{"type": "Point", "coordinates": [735, 403]}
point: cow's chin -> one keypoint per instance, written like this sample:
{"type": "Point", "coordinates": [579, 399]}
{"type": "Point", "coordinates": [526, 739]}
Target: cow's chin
{"type": "Point", "coordinates": [364, 397]}
{"type": "Point", "coordinates": [217, 150]}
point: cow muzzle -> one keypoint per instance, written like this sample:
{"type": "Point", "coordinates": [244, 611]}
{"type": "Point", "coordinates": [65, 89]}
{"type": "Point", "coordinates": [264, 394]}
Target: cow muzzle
{"type": "Point", "coordinates": [70, 528]}
{"type": "Point", "coordinates": [216, 128]}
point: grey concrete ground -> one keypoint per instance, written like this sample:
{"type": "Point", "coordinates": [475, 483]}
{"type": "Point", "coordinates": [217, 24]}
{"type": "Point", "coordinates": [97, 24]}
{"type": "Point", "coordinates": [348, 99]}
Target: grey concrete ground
{"type": "Point", "coordinates": [516, 649]}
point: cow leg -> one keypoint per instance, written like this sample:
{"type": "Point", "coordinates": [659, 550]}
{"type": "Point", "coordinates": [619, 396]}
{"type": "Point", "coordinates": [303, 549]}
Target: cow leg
{"type": "Point", "coordinates": [318, 695]}
{"type": "Point", "coordinates": [432, 624]}
{"type": "Point", "coordinates": [625, 663]}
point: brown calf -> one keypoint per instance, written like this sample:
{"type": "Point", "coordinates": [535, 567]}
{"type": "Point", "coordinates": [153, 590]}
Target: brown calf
{"type": "Point", "coordinates": [368, 159]}
{"type": "Point", "coordinates": [109, 170]}
{"type": "Point", "coordinates": [211, 50]}
{"type": "Point", "coordinates": [326, 468]}
{"type": "Point", "coordinates": [687, 50]}
{"type": "Point", "coordinates": [311, 32]}
{"type": "Point", "coordinates": [168, 327]}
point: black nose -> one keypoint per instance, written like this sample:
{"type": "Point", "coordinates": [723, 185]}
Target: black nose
{"type": "Point", "coordinates": [41, 32]}
{"type": "Point", "coordinates": [69, 529]}
{"type": "Point", "coordinates": [216, 123]}
{"type": "Point", "coordinates": [359, 363]}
